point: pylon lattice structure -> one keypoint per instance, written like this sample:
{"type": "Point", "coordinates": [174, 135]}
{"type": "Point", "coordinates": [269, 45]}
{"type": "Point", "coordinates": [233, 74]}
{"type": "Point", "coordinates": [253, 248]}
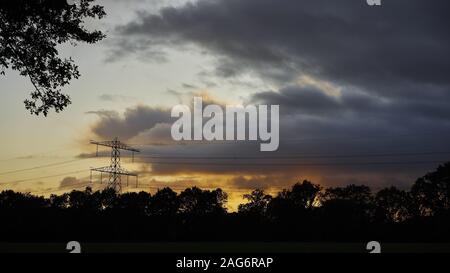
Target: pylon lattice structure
{"type": "Point", "coordinates": [114, 170]}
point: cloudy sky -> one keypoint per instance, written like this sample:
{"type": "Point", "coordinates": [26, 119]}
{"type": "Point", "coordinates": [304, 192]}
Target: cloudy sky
{"type": "Point", "coordinates": [364, 95]}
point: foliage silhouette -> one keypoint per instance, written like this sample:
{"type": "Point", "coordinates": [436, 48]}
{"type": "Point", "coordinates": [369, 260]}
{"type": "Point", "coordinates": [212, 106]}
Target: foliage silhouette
{"type": "Point", "coordinates": [30, 32]}
{"type": "Point", "coordinates": [257, 203]}
{"type": "Point", "coordinates": [305, 212]}
{"type": "Point", "coordinates": [393, 205]}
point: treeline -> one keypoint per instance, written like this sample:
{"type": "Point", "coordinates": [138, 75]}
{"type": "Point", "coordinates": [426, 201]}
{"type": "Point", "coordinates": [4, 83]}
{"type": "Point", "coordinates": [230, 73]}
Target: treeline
{"type": "Point", "coordinates": [305, 212]}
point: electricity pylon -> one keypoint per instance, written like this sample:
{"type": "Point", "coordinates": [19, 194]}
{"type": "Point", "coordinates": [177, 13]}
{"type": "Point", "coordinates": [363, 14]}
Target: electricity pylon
{"type": "Point", "coordinates": [114, 170]}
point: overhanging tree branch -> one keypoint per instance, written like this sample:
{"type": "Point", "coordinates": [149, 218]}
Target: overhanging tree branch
{"type": "Point", "coordinates": [29, 34]}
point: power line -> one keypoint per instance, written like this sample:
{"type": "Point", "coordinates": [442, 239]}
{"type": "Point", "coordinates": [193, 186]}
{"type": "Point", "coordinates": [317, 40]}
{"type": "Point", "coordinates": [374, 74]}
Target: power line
{"type": "Point", "coordinates": [297, 156]}
{"type": "Point", "coordinates": [42, 166]}
{"type": "Point", "coordinates": [242, 158]}
{"type": "Point", "coordinates": [44, 177]}
{"type": "Point", "coordinates": [294, 140]}
{"type": "Point", "coordinates": [31, 156]}
{"type": "Point", "coordinates": [294, 164]}
{"type": "Point", "coordinates": [245, 164]}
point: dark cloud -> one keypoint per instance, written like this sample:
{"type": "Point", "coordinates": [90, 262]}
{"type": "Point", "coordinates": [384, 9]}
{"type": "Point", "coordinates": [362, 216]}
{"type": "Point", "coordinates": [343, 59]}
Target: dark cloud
{"type": "Point", "coordinates": [189, 86]}
{"type": "Point", "coordinates": [380, 83]}
{"type": "Point", "coordinates": [311, 101]}
{"type": "Point", "coordinates": [158, 135]}
{"type": "Point", "coordinates": [133, 122]}
{"type": "Point", "coordinates": [70, 183]}
{"type": "Point", "coordinates": [334, 138]}
{"type": "Point", "coordinates": [389, 50]}
{"type": "Point", "coordinates": [144, 50]}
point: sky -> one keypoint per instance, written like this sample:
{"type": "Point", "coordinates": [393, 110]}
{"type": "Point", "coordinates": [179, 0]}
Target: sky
{"type": "Point", "coordinates": [364, 95]}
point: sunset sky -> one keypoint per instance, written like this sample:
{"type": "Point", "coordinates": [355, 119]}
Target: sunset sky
{"type": "Point", "coordinates": [364, 95]}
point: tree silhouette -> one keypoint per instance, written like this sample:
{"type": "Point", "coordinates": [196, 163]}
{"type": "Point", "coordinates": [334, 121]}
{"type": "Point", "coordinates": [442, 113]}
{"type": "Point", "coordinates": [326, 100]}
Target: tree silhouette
{"type": "Point", "coordinates": [303, 195]}
{"type": "Point", "coordinates": [298, 201]}
{"type": "Point", "coordinates": [304, 212]}
{"type": "Point", "coordinates": [164, 202]}
{"type": "Point", "coordinates": [359, 194]}
{"type": "Point", "coordinates": [257, 203]}
{"type": "Point", "coordinates": [393, 205]}
{"type": "Point", "coordinates": [30, 32]}
{"type": "Point", "coordinates": [134, 202]}
{"type": "Point", "coordinates": [59, 201]}
{"type": "Point", "coordinates": [80, 199]}
{"type": "Point", "coordinates": [20, 201]}
{"type": "Point", "coordinates": [199, 202]}
{"type": "Point", "coordinates": [432, 191]}
{"type": "Point", "coordinates": [349, 210]}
